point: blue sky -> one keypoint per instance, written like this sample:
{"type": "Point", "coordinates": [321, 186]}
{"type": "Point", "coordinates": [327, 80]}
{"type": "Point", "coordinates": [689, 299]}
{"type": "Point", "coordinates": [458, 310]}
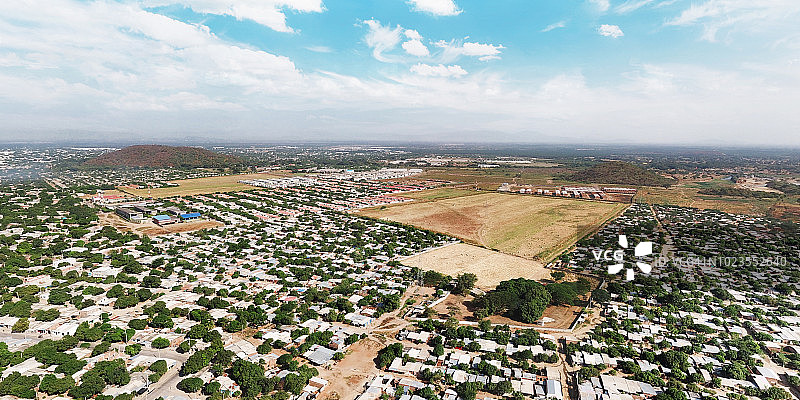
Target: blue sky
{"type": "Point", "coordinates": [634, 71]}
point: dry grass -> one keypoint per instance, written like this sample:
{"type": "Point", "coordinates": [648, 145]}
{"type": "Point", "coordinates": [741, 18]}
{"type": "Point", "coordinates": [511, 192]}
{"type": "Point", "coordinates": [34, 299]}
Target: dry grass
{"type": "Point", "coordinates": [789, 212]}
{"type": "Point", "coordinates": [491, 267]}
{"type": "Point", "coordinates": [213, 184]}
{"type": "Point", "coordinates": [489, 179]}
{"type": "Point", "coordinates": [686, 195]}
{"type": "Point", "coordinates": [526, 226]}
{"type": "Point", "coordinates": [438, 194]}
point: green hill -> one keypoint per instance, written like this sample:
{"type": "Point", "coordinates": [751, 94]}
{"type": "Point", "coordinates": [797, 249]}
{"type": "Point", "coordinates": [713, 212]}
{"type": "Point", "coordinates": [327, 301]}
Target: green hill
{"type": "Point", "coordinates": [160, 156]}
{"type": "Point", "coordinates": [620, 173]}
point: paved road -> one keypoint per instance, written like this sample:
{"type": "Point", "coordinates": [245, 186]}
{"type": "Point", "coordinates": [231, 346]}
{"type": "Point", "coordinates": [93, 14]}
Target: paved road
{"type": "Point", "coordinates": [35, 338]}
{"type": "Point", "coordinates": [167, 385]}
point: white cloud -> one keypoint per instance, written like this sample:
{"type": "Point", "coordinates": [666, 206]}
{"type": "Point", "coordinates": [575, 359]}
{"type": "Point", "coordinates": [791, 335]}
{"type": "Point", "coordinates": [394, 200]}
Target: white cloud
{"type": "Point", "coordinates": [435, 7]}
{"type": "Point", "coordinates": [768, 17]}
{"type": "Point", "coordinates": [269, 13]}
{"type": "Point", "coordinates": [447, 71]}
{"type": "Point", "coordinates": [414, 45]}
{"type": "Point", "coordinates": [416, 48]}
{"type": "Point", "coordinates": [412, 34]}
{"type": "Point", "coordinates": [610, 30]}
{"type": "Point", "coordinates": [452, 50]}
{"type": "Point", "coordinates": [320, 49]}
{"type": "Point", "coordinates": [631, 5]}
{"type": "Point", "coordinates": [105, 66]}
{"type": "Point", "coordinates": [382, 39]}
{"type": "Point", "coordinates": [601, 5]}
{"type": "Point", "coordinates": [556, 25]}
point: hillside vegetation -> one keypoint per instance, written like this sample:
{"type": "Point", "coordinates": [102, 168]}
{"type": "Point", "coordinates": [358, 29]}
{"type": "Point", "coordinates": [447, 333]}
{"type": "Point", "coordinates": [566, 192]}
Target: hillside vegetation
{"type": "Point", "coordinates": [738, 192]}
{"type": "Point", "coordinates": [620, 173]}
{"type": "Point", "coordinates": [160, 156]}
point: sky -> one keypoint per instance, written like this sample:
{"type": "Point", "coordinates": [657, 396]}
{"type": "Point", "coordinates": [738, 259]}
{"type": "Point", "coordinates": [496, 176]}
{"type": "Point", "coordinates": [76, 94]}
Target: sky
{"type": "Point", "coordinates": [712, 72]}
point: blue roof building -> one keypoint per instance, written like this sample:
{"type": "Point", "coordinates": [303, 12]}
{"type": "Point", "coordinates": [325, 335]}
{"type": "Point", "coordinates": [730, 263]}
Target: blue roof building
{"type": "Point", "coordinates": [193, 215]}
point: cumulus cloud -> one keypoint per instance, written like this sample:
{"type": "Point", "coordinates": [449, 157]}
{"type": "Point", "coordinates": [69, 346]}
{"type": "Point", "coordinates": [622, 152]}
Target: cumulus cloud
{"type": "Point", "coordinates": [556, 25]}
{"type": "Point", "coordinates": [447, 71]}
{"type": "Point", "coordinates": [269, 13]}
{"type": "Point", "coordinates": [435, 7]}
{"type": "Point", "coordinates": [613, 31]}
{"type": "Point", "coordinates": [414, 45]}
{"type": "Point", "coordinates": [382, 39]}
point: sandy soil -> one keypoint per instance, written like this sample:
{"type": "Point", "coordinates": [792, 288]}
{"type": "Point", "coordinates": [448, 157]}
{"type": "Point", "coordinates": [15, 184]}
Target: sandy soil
{"type": "Point", "coordinates": [347, 378]}
{"type": "Point", "coordinates": [150, 229]}
{"type": "Point", "coordinates": [490, 266]}
{"type": "Point", "coordinates": [527, 226]}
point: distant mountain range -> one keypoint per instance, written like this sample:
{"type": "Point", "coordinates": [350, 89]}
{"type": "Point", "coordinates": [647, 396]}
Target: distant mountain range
{"type": "Point", "coordinates": [160, 156]}
{"type": "Point", "coordinates": [620, 173]}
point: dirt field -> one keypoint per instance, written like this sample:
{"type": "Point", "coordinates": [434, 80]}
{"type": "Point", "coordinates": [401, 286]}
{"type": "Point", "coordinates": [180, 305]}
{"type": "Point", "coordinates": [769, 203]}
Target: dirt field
{"type": "Point", "coordinates": [489, 179]}
{"type": "Point", "coordinates": [347, 379]}
{"type": "Point", "coordinates": [214, 184]}
{"type": "Point", "coordinates": [491, 267]}
{"type": "Point", "coordinates": [438, 194]}
{"type": "Point", "coordinates": [151, 229]}
{"type": "Point", "coordinates": [527, 226]}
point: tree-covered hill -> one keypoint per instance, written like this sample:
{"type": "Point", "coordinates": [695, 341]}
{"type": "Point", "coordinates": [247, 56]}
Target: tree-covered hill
{"type": "Point", "coordinates": [160, 156]}
{"type": "Point", "coordinates": [620, 173]}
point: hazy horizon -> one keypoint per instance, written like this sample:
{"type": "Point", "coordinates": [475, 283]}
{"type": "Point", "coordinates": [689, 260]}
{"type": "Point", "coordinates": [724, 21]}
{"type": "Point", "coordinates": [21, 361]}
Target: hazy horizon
{"type": "Point", "coordinates": [672, 72]}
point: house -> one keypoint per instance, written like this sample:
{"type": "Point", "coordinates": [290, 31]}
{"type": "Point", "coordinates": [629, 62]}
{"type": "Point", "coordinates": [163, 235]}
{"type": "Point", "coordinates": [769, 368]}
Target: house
{"type": "Point", "coordinates": [129, 214]}
{"type": "Point", "coordinates": [163, 219]}
{"type": "Point", "coordinates": [319, 355]}
{"type": "Point", "coordinates": [190, 216]}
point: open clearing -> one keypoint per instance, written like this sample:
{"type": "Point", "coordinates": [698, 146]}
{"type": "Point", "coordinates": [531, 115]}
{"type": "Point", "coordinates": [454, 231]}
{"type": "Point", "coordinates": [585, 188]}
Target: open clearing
{"type": "Point", "coordinates": [491, 267]}
{"type": "Point", "coordinates": [554, 317]}
{"type": "Point", "coordinates": [686, 195]}
{"type": "Point", "coordinates": [151, 229]}
{"type": "Point", "coordinates": [489, 179]}
{"type": "Point", "coordinates": [527, 226]}
{"type": "Point", "coordinates": [212, 184]}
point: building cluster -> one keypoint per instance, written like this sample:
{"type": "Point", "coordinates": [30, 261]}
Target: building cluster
{"type": "Point", "coordinates": [157, 212]}
{"type": "Point", "coordinates": [577, 192]}
{"type": "Point", "coordinates": [456, 362]}
{"type": "Point", "coordinates": [374, 175]}
{"type": "Point", "coordinates": [715, 318]}
{"type": "Point", "coordinates": [297, 276]}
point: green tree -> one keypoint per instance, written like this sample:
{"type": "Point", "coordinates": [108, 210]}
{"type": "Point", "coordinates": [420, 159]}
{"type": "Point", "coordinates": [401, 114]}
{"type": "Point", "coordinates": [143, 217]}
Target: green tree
{"type": "Point", "coordinates": [160, 343]}
{"type": "Point", "coordinates": [190, 385]}
{"type": "Point", "coordinates": [464, 283]}
{"type": "Point", "coordinates": [20, 326]}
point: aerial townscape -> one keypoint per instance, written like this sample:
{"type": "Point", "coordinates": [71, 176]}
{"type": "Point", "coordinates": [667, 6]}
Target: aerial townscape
{"type": "Point", "coordinates": [399, 200]}
{"type": "Point", "coordinates": [420, 273]}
